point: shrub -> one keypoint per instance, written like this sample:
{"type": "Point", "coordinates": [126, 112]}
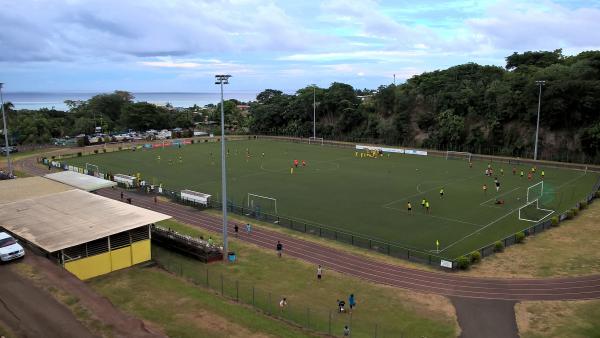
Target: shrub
{"type": "Point", "coordinates": [583, 205]}
{"type": "Point", "coordinates": [95, 151]}
{"type": "Point", "coordinates": [498, 246]}
{"type": "Point", "coordinates": [463, 262]}
{"type": "Point", "coordinates": [598, 194]}
{"type": "Point", "coordinates": [475, 257]}
{"type": "Point", "coordinates": [570, 214]}
{"type": "Point", "coordinates": [79, 154]}
{"type": "Point", "coordinates": [519, 237]}
{"type": "Point", "coordinates": [554, 221]}
{"type": "Point", "coordinates": [104, 150]}
{"type": "Point", "coordinates": [575, 211]}
{"type": "Point", "coordinates": [120, 148]}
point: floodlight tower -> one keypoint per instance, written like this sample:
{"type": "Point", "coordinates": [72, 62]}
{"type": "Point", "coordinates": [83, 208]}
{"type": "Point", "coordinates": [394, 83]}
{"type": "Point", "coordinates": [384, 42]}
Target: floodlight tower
{"type": "Point", "coordinates": [6, 145]}
{"type": "Point", "coordinates": [223, 80]}
{"type": "Point", "coordinates": [315, 112]}
{"type": "Point", "coordinates": [537, 128]}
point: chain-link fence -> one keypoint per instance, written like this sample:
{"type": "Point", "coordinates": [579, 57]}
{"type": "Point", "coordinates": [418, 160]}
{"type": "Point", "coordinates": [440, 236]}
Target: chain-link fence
{"type": "Point", "coordinates": [318, 319]}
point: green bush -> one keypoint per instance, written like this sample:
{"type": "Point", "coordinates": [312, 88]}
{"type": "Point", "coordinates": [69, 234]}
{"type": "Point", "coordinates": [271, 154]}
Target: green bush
{"type": "Point", "coordinates": [554, 220]}
{"type": "Point", "coordinates": [95, 151]}
{"type": "Point", "coordinates": [570, 214]}
{"type": "Point", "coordinates": [583, 205]}
{"type": "Point", "coordinates": [120, 148]}
{"type": "Point", "coordinates": [575, 211]}
{"type": "Point", "coordinates": [103, 150]}
{"type": "Point", "coordinates": [79, 154]}
{"type": "Point", "coordinates": [463, 262]}
{"type": "Point", "coordinates": [498, 246]}
{"type": "Point", "coordinates": [475, 257]}
{"type": "Point", "coordinates": [598, 194]}
{"type": "Point", "coordinates": [519, 237]}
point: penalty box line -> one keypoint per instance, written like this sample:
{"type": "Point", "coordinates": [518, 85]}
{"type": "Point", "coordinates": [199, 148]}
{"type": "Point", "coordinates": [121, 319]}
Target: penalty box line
{"type": "Point", "coordinates": [510, 212]}
{"type": "Point", "coordinates": [387, 205]}
{"type": "Point", "coordinates": [439, 217]}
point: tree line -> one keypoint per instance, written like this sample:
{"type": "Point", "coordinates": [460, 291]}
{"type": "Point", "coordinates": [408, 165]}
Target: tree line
{"type": "Point", "coordinates": [469, 107]}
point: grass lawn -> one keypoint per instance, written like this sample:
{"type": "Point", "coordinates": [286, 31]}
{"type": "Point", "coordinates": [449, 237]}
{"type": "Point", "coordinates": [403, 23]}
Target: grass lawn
{"type": "Point", "coordinates": [362, 195]}
{"type": "Point", "coordinates": [390, 311]}
{"type": "Point", "coordinates": [559, 319]}
{"type": "Point", "coordinates": [182, 309]}
{"type": "Point", "coordinates": [568, 250]}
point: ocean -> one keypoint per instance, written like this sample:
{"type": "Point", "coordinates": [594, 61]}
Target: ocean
{"type": "Point", "coordinates": [37, 100]}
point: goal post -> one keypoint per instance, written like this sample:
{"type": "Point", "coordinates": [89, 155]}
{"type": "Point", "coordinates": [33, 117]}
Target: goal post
{"type": "Point", "coordinates": [91, 168]}
{"type": "Point", "coordinates": [315, 140]}
{"type": "Point", "coordinates": [531, 210]}
{"type": "Point", "coordinates": [458, 155]}
{"type": "Point", "coordinates": [262, 203]}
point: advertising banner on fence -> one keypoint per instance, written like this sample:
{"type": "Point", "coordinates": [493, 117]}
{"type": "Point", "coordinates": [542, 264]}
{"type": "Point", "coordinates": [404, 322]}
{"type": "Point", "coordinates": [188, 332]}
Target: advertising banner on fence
{"type": "Point", "coordinates": [415, 152]}
{"type": "Point", "coordinates": [446, 264]}
{"type": "Point", "coordinates": [385, 150]}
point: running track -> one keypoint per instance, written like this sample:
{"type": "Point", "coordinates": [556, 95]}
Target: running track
{"type": "Point", "coordinates": [447, 284]}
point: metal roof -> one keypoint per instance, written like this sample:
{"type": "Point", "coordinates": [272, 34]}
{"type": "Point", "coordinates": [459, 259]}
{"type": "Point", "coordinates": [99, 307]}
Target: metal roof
{"type": "Point", "coordinates": [61, 220]}
{"type": "Point", "coordinates": [29, 187]}
{"type": "Point", "coordinates": [81, 181]}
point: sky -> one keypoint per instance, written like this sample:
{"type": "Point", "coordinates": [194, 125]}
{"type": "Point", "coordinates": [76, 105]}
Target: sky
{"type": "Point", "coordinates": [179, 45]}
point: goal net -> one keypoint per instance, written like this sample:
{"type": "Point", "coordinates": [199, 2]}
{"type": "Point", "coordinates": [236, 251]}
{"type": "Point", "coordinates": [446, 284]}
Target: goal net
{"type": "Point", "coordinates": [532, 210]}
{"type": "Point", "coordinates": [262, 204]}
{"type": "Point", "coordinates": [458, 155]}
{"type": "Point", "coordinates": [91, 169]}
{"type": "Point", "coordinates": [315, 140]}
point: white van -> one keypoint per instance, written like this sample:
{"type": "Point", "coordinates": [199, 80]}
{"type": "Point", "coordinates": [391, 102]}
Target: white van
{"type": "Point", "coordinates": [9, 248]}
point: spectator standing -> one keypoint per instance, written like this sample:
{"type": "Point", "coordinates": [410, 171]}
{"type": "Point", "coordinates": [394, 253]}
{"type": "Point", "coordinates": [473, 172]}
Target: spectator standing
{"type": "Point", "coordinates": [351, 302]}
{"type": "Point", "coordinates": [121, 195]}
{"type": "Point", "coordinates": [279, 249]}
{"type": "Point", "coordinates": [282, 303]}
{"type": "Point", "coordinates": [129, 200]}
{"type": "Point", "coordinates": [319, 272]}
{"type": "Point", "coordinates": [346, 331]}
{"type": "Point", "coordinates": [248, 228]}
{"type": "Point", "coordinates": [236, 230]}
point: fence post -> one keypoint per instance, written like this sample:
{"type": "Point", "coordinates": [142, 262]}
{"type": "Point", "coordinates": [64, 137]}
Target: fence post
{"type": "Point", "coordinates": [352, 239]}
{"type": "Point", "coordinates": [237, 291]}
{"type": "Point", "coordinates": [329, 330]}
{"type": "Point", "coordinates": [207, 278]}
{"type": "Point", "coordinates": [269, 305]}
{"type": "Point", "coordinates": [388, 246]}
{"type": "Point", "coordinates": [370, 244]}
{"type": "Point", "coordinates": [253, 304]}
{"type": "Point", "coordinates": [221, 284]}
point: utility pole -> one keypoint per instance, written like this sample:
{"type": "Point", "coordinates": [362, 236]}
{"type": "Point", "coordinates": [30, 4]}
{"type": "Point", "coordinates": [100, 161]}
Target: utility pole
{"type": "Point", "coordinates": [6, 145]}
{"type": "Point", "coordinates": [537, 128]}
{"type": "Point", "coordinates": [221, 80]}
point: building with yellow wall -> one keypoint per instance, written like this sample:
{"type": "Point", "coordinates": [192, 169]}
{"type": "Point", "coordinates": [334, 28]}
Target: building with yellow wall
{"type": "Point", "coordinates": [89, 235]}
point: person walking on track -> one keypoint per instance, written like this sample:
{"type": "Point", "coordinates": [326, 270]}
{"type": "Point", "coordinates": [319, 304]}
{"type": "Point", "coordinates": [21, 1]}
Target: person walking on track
{"type": "Point", "coordinates": [279, 249]}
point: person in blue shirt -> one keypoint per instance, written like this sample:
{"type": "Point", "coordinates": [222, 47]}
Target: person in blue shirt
{"type": "Point", "coordinates": [351, 301]}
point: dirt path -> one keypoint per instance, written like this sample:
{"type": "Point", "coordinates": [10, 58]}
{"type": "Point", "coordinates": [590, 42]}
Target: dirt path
{"type": "Point", "coordinates": [31, 312]}
{"type": "Point", "coordinates": [486, 318]}
{"type": "Point", "coordinates": [123, 325]}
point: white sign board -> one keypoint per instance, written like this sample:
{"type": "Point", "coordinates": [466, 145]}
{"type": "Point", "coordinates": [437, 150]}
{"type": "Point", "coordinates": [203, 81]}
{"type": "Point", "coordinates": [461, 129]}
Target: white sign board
{"type": "Point", "coordinates": [384, 149]}
{"type": "Point", "coordinates": [446, 264]}
{"type": "Point", "coordinates": [125, 179]}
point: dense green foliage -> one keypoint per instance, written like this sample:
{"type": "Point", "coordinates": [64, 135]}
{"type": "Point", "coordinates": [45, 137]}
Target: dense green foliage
{"type": "Point", "coordinates": [483, 109]}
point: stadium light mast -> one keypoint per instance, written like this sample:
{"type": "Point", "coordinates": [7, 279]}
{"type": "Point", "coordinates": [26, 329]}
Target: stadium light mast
{"type": "Point", "coordinates": [223, 80]}
{"type": "Point", "coordinates": [537, 128]}
{"type": "Point", "coordinates": [315, 112]}
{"type": "Point", "coordinates": [6, 146]}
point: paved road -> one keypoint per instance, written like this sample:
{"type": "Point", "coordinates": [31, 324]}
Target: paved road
{"type": "Point", "coordinates": [486, 318]}
{"type": "Point", "coordinates": [31, 312]}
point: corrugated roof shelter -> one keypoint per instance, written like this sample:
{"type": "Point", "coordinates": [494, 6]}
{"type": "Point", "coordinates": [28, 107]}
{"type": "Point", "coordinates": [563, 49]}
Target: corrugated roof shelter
{"type": "Point", "coordinates": [89, 235]}
{"type": "Point", "coordinates": [21, 188]}
{"type": "Point", "coordinates": [65, 219]}
{"type": "Point", "coordinates": [81, 181]}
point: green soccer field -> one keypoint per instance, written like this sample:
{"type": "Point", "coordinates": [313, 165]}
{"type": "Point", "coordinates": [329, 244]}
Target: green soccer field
{"type": "Point", "coordinates": [366, 196]}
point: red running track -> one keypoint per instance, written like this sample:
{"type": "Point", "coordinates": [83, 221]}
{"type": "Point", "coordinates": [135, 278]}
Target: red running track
{"type": "Point", "coordinates": [448, 284]}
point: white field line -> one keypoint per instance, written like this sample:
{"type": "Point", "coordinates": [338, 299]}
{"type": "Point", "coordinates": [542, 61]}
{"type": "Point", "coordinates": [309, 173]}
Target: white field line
{"type": "Point", "coordinates": [432, 189]}
{"type": "Point", "coordinates": [440, 217]}
{"type": "Point", "coordinates": [510, 212]}
{"type": "Point", "coordinates": [493, 198]}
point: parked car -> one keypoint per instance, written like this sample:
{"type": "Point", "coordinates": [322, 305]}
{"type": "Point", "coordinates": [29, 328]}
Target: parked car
{"type": "Point", "coordinates": [11, 149]}
{"type": "Point", "coordinates": [9, 248]}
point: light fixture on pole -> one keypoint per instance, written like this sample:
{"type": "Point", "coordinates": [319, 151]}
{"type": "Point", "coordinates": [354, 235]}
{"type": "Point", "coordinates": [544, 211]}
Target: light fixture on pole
{"type": "Point", "coordinates": [223, 80]}
{"type": "Point", "coordinates": [6, 145]}
{"type": "Point", "coordinates": [537, 128]}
